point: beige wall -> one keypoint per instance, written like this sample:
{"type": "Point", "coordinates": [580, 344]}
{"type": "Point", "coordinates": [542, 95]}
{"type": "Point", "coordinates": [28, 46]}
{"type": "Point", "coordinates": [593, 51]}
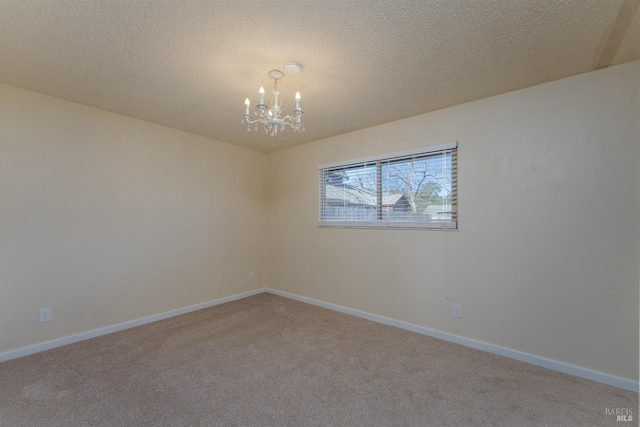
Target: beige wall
{"type": "Point", "coordinates": [106, 218]}
{"type": "Point", "coordinates": [546, 258]}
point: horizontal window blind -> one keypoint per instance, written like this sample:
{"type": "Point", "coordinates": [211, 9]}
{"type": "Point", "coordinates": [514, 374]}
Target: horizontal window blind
{"type": "Point", "coordinates": [402, 190]}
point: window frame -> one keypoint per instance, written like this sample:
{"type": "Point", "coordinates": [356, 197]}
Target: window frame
{"type": "Point", "coordinates": [378, 160]}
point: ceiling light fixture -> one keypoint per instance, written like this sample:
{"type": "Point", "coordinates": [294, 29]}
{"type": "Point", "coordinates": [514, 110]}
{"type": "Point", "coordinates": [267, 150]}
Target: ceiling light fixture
{"type": "Point", "coordinates": [271, 116]}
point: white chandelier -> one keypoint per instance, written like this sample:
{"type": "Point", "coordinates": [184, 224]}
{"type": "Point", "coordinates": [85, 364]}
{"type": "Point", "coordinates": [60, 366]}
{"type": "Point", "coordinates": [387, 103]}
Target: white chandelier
{"type": "Point", "coordinates": [272, 116]}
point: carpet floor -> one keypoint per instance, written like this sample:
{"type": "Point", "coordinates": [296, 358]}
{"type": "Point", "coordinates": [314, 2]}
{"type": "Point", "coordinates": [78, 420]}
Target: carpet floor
{"type": "Point", "coordinates": [271, 361]}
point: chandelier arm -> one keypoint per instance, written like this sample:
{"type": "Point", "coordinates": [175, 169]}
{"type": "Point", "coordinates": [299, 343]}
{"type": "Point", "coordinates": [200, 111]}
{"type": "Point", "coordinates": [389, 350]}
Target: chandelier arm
{"type": "Point", "coordinates": [246, 118]}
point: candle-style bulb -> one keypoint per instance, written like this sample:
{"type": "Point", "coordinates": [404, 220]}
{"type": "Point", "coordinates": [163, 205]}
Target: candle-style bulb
{"type": "Point", "coordinates": [246, 104]}
{"type": "Point", "coordinates": [261, 92]}
{"type": "Point", "coordinates": [297, 100]}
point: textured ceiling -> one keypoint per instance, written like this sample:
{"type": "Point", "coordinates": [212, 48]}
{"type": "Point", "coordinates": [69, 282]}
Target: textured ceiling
{"type": "Point", "coordinates": [190, 64]}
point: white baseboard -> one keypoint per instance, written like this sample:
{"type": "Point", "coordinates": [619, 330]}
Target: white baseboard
{"type": "Point", "coordinates": [544, 362]}
{"type": "Point", "coordinates": [70, 339]}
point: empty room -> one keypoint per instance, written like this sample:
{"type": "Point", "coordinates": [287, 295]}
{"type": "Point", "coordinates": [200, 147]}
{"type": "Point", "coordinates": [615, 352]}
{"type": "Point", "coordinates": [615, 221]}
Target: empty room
{"type": "Point", "coordinates": [305, 213]}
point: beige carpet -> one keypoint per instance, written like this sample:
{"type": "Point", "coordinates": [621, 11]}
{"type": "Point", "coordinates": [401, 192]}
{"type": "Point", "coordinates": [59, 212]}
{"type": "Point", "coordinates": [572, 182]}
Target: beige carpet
{"type": "Point", "coordinates": [271, 361]}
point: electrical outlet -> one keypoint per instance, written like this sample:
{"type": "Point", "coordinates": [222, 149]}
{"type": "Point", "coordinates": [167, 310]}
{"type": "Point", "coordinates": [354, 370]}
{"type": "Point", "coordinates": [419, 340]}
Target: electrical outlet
{"type": "Point", "coordinates": [457, 310]}
{"type": "Point", "coordinates": [251, 275]}
{"type": "Point", "coordinates": [46, 314]}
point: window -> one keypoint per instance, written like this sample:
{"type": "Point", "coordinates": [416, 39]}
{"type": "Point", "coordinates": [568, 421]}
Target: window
{"type": "Point", "coordinates": [411, 189]}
